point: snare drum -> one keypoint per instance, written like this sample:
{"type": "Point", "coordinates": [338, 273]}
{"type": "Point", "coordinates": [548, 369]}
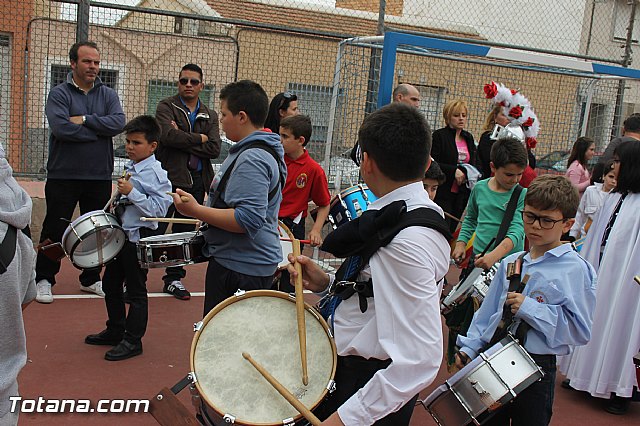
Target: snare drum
{"type": "Point", "coordinates": [488, 382]}
{"type": "Point", "coordinates": [475, 285]}
{"type": "Point", "coordinates": [263, 324]}
{"type": "Point", "coordinates": [350, 204]}
{"type": "Point", "coordinates": [161, 251]}
{"type": "Point", "coordinates": [287, 246]}
{"type": "Point", "coordinates": [93, 239]}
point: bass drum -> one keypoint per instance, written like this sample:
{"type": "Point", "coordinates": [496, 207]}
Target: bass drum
{"type": "Point", "coordinates": [262, 323]}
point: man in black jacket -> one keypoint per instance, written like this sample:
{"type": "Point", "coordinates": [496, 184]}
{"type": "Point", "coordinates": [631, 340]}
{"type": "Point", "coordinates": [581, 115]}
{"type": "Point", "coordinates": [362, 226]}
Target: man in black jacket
{"type": "Point", "coordinates": [190, 139]}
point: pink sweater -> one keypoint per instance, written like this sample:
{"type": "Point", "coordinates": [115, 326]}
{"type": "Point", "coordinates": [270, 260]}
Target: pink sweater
{"type": "Point", "coordinates": [579, 176]}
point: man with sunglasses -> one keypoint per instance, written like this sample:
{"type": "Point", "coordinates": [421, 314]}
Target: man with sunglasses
{"type": "Point", "coordinates": [190, 138]}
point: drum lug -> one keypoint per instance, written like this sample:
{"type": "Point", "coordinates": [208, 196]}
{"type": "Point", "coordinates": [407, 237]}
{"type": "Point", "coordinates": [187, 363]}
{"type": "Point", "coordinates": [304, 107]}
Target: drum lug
{"type": "Point", "coordinates": [197, 326]}
{"type": "Point", "coordinates": [478, 388]}
{"type": "Point", "coordinates": [289, 422]}
{"type": "Point", "coordinates": [239, 293]}
{"type": "Point", "coordinates": [192, 376]}
{"type": "Point", "coordinates": [331, 386]}
{"type": "Point", "coordinates": [228, 418]}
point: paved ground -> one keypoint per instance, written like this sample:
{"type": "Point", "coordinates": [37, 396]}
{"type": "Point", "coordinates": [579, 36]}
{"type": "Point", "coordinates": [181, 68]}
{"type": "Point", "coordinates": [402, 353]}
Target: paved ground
{"type": "Point", "coordinates": [61, 366]}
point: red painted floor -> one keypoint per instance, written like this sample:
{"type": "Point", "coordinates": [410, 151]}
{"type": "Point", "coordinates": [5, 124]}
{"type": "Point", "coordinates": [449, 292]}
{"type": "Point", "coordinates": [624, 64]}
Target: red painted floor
{"type": "Point", "coordinates": [61, 366]}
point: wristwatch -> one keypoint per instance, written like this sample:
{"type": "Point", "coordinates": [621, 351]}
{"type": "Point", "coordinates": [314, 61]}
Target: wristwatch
{"type": "Point", "coordinates": [84, 119]}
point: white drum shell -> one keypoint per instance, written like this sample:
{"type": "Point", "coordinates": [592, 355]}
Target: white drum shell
{"type": "Point", "coordinates": [478, 389]}
{"type": "Point", "coordinates": [93, 239]}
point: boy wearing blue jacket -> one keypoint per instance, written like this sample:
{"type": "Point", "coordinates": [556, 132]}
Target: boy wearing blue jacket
{"type": "Point", "coordinates": [242, 240]}
{"type": "Point", "coordinates": [556, 305]}
{"type": "Point", "coordinates": [143, 193]}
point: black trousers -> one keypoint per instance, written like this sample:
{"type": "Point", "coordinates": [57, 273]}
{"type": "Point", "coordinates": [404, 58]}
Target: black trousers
{"type": "Point", "coordinates": [352, 373]}
{"type": "Point", "coordinates": [284, 283]}
{"type": "Point", "coordinates": [61, 197]}
{"type": "Point", "coordinates": [534, 405]}
{"type": "Point", "coordinates": [125, 268]}
{"type": "Point", "coordinates": [176, 273]}
{"type": "Point", "coordinates": [221, 283]}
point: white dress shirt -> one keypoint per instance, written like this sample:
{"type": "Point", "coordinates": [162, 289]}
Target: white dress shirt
{"type": "Point", "coordinates": [402, 322]}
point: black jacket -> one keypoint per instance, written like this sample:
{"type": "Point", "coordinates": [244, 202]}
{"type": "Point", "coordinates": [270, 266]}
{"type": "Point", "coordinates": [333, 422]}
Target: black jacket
{"type": "Point", "coordinates": [445, 152]}
{"type": "Point", "coordinates": [176, 145]}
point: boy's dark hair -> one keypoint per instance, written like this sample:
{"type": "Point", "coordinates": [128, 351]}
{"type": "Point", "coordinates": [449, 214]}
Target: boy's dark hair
{"type": "Point", "coordinates": [632, 123]}
{"type": "Point", "coordinates": [73, 52]}
{"type": "Point", "coordinates": [145, 124]}
{"type": "Point", "coordinates": [298, 125]}
{"type": "Point", "coordinates": [435, 172]}
{"type": "Point", "coordinates": [398, 138]}
{"type": "Point", "coordinates": [600, 170]}
{"type": "Point", "coordinates": [194, 68]}
{"type": "Point", "coordinates": [508, 151]}
{"type": "Point", "coordinates": [247, 96]}
{"type": "Point", "coordinates": [553, 192]}
{"type": "Point", "coordinates": [628, 179]}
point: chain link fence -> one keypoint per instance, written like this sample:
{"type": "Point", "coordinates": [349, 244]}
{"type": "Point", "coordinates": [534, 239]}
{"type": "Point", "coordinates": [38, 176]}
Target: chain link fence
{"type": "Point", "coordinates": [299, 46]}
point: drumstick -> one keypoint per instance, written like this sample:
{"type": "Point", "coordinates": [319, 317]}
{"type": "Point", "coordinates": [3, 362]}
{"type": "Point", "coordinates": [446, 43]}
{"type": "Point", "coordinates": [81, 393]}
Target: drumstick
{"type": "Point", "coordinates": [450, 216]}
{"type": "Point", "coordinates": [126, 176]}
{"type": "Point", "coordinates": [184, 198]}
{"type": "Point", "coordinates": [302, 331]}
{"type": "Point", "coordinates": [170, 220]}
{"type": "Point", "coordinates": [301, 241]}
{"type": "Point", "coordinates": [637, 279]}
{"type": "Point", "coordinates": [302, 409]}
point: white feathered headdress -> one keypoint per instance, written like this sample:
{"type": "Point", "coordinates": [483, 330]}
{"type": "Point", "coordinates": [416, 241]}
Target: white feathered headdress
{"type": "Point", "coordinates": [516, 108]}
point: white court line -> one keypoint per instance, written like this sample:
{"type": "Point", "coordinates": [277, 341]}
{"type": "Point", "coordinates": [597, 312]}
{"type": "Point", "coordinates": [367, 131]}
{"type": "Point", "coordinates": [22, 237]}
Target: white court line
{"type": "Point", "coordinates": [95, 296]}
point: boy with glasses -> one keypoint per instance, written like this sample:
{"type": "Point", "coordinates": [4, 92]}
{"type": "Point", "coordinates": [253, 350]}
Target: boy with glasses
{"type": "Point", "coordinates": [190, 139]}
{"type": "Point", "coordinates": [555, 307]}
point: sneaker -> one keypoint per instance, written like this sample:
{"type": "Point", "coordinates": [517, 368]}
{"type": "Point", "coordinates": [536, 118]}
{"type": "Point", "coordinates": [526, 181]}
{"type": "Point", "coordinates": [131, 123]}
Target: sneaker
{"type": "Point", "coordinates": [43, 290]}
{"type": "Point", "coordinates": [95, 288]}
{"type": "Point", "coordinates": [177, 289]}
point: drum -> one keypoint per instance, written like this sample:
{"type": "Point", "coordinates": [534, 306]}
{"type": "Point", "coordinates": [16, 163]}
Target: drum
{"type": "Point", "coordinates": [350, 204]}
{"type": "Point", "coordinates": [475, 285]}
{"type": "Point", "coordinates": [287, 246]}
{"type": "Point", "coordinates": [161, 251]}
{"type": "Point", "coordinates": [263, 324]}
{"type": "Point", "coordinates": [93, 239]}
{"type": "Point", "coordinates": [488, 382]}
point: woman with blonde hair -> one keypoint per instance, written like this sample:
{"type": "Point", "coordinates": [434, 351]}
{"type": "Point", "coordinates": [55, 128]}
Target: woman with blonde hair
{"type": "Point", "coordinates": [452, 148]}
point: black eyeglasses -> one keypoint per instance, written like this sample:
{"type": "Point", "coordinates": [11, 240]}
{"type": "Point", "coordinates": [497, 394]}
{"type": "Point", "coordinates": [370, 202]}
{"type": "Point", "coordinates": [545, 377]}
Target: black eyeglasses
{"type": "Point", "coordinates": [185, 81]}
{"type": "Point", "coordinates": [545, 222]}
{"type": "Point", "coordinates": [287, 97]}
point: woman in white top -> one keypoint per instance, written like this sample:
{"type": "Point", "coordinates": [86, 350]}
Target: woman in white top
{"type": "Point", "coordinates": [592, 201]}
{"type": "Point", "coordinates": [583, 150]}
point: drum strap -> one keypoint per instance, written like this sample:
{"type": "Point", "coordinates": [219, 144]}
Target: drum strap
{"type": "Point", "coordinates": [8, 248]}
{"type": "Point", "coordinates": [217, 202]}
{"type": "Point", "coordinates": [508, 215]}
{"type": "Point", "coordinates": [374, 229]}
{"type": "Point", "coordinates": [517, 284]}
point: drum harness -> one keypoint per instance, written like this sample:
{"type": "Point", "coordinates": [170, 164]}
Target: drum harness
{"type": "Point", "coordinates": [359, 239]}
{"type": "Point", "coordinates": [218, 202]}
{"type": "Point", "coordinates": [507, 325]}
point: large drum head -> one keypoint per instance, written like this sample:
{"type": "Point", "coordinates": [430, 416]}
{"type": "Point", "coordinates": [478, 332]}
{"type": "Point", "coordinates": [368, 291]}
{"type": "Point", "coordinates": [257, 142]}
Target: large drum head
{"type": "Point", "coordinates": [263, 324]}
{"type": "Point", "coordinates": [93, 239]}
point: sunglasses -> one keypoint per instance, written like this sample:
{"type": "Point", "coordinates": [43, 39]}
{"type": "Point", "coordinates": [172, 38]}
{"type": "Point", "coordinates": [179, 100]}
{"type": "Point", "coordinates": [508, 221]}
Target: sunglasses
{"type": "Point", "coordinates": [185, 81]}
{"type": "Point", "coordinates": [287, 97]}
